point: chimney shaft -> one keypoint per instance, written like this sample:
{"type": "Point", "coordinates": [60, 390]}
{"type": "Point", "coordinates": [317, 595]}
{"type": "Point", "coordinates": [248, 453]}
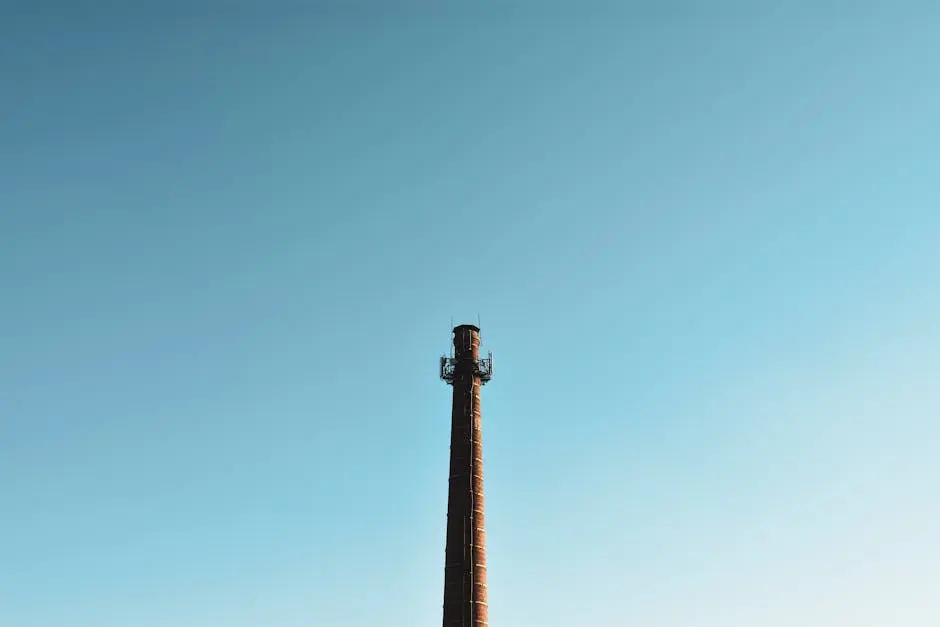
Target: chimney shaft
{"type": "Point", "coordinates": [465, 553]}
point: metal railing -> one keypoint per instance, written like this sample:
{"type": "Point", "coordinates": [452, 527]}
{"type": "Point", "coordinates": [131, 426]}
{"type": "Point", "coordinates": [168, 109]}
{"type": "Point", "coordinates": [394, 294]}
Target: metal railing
{"type": "Point", "coordinates": [482, 368]}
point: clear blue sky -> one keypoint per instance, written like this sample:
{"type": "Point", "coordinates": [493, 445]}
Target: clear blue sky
{"type": "Point", "coordinates": [704, 244]}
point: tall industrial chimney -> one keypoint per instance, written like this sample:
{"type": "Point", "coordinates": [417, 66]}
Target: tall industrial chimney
{"type": "Point", "coordinates": [465, 553]}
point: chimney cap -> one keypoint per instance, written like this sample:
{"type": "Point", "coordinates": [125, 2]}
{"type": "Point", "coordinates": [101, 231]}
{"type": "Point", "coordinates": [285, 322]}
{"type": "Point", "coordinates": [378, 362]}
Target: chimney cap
{"type": "Point", "coordinates": [472, 327]}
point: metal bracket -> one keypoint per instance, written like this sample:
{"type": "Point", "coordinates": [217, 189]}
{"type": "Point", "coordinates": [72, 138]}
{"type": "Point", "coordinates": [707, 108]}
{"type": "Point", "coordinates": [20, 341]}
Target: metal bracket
{"type": "Point", "coordinates": [482, 368]}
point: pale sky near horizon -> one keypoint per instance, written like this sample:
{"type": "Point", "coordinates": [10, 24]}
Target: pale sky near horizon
{"type": "Point", "coordinates": [703, 242]}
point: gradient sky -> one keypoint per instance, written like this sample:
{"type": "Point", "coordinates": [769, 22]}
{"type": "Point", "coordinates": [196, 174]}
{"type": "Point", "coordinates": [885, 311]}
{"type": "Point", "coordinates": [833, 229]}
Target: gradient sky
{"type": "Point", "coordinates": [703, 243]}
